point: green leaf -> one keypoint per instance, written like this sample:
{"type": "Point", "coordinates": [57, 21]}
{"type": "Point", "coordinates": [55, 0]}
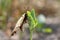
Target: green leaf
{"type": "Point", "coordinates": [33, 14]}
{"type": "Point", "coordinates": [32, 19]}
{"type": "Point", "coordinates": [47, 30]}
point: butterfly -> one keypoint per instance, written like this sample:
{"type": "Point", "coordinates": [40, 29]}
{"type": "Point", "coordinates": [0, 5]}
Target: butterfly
{"type": "Point", "coordinates": [31, 19]}
{"type": "Point", "coordinates": [19, 24]}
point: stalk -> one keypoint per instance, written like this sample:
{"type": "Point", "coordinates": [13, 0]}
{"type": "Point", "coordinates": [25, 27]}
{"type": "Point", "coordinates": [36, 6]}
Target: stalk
{"type": "Point", "coordinates": [21, 34]}
{"type": "Point", "coordinates": [31, 32]}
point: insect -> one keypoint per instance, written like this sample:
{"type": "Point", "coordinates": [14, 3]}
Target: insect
{"type": "Point", "coordinates": [19, 24]}
{"type": "Point", "coordinates": [32, 21]}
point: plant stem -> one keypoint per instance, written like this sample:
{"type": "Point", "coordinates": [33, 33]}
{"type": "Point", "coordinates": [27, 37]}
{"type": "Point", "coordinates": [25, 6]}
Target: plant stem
{"type": "Point", "coordinates": [21, 35]}
{"type": "Point", "coordinates": [31, 35]}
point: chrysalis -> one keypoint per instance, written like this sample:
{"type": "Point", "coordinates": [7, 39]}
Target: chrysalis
{"type": "Point", "coordinates": [19, 24]}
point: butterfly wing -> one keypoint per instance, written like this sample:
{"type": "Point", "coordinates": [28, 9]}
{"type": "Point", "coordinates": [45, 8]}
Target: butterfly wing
{"type": "Point", "coordinates": [19, 24]}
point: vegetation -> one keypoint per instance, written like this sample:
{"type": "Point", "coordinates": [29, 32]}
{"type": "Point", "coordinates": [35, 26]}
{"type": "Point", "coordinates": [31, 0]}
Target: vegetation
{"type": "Point", "coordinates": [11, 10]}
{"type": "Point", "coordinates": [33, 23]}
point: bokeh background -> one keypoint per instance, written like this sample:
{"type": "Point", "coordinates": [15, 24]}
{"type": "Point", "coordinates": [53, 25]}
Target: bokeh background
{"type": "Point", "coordinates": [11, 11]}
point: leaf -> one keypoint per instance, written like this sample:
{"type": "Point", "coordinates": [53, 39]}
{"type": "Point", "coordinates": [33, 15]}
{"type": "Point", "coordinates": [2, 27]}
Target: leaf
{"type": "Point", "coordinates": [33, 14]}
{"type": "Point", "coordinates": [32, 19]}
{"type": "Point", "coordinates": [47, 30]}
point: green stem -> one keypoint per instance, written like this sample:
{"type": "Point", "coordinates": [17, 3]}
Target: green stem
{"type": "Point", "coordinates": [21, 34]}
{"type": "Point", "coordinates": [31, 35]}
